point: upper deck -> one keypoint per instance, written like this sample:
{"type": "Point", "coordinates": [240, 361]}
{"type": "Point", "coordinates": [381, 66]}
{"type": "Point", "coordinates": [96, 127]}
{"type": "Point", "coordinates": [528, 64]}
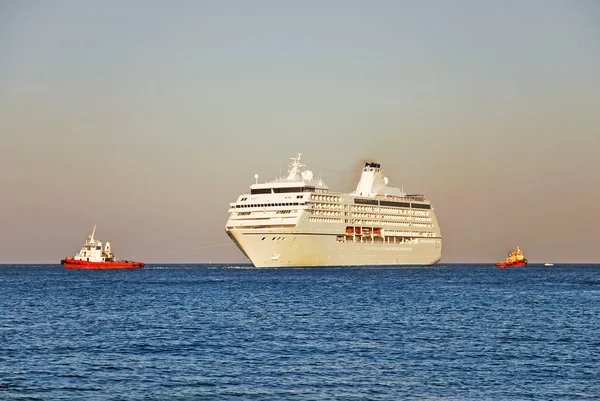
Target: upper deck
{"type": "Point", "coordinates": [372, 188]}
{"type": "Point", "coordinates": [297, 180]}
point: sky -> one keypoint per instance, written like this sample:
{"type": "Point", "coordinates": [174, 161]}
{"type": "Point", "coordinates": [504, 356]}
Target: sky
{"type": "Point", "coordinates": [148, 118]}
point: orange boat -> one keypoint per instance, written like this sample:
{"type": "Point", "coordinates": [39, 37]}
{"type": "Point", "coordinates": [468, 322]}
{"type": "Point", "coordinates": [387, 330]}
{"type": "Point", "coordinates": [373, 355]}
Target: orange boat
{"type": "Point", "coordinates": [514, 259]}
{"type": "Point", "coordinates": [93, 256]}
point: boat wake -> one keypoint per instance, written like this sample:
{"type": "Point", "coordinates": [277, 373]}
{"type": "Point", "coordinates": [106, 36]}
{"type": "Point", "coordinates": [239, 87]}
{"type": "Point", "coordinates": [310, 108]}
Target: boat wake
{"type": "Point", "coordinates": [243, 267]}
{"type": "Point", "coordinates": [175, 267]}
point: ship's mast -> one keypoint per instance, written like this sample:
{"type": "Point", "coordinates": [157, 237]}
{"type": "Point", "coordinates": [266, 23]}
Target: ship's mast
{"type": "Point", "coordinates": [93, 232]}
{"type": "Point", "coordinates": [295, 167]}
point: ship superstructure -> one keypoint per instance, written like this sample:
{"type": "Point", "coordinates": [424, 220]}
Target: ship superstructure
{"type": "Point", "coordinates": [92, 250]}
{"type": "Point", "coordinates": [297, 221]}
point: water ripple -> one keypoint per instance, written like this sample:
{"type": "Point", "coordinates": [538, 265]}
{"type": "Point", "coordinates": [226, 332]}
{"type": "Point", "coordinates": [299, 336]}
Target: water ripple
{"type": "Point", "coordinates": [222, 331]}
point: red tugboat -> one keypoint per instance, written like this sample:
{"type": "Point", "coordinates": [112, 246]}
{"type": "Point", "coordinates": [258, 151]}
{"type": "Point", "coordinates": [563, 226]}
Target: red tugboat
{"type": "Point", "coordinates": [514, 259]}
{"type": "Point", "coordinates": [93, 256]}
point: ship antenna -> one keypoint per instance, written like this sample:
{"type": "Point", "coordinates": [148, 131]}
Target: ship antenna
{"type": "Point", "coordinates": [93, 231]}
{"type": "Point", "coordinates": [256, 178]}
{"type": "Point", "coordinates": [295, 167]}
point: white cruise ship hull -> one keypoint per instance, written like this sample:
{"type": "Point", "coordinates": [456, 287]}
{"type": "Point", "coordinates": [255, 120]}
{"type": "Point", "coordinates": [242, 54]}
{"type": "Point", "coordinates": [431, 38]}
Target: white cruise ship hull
{"type": "Point", "coordinates": [305, 249]}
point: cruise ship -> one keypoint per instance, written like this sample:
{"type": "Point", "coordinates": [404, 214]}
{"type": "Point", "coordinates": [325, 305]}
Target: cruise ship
{"type": "Point", "coordinates": [296, 220]}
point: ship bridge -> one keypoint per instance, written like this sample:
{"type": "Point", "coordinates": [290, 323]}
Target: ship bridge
{"type": "Point", "coordinates": [297, 180]}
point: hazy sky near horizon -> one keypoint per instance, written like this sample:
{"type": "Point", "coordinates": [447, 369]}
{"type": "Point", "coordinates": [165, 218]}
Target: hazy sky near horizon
{"type": "Point", "coordinates": [148, 118]}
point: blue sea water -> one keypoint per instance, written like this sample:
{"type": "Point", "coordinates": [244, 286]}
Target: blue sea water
{"type": "Point", "coordinates": [455, 332]}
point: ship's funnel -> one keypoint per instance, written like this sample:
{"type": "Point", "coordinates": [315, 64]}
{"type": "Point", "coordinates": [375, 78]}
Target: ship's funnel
{"type": "Point", "coordinates": [373, 182]}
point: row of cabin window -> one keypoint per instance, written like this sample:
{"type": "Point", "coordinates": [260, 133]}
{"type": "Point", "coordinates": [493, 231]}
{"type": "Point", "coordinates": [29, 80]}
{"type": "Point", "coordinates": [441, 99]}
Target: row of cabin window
{"type": "Point", "coordinates": [281, 190]}
{"type": "Point", "coordinates": [270, 204]}
{"type": "Point", "coordinates": [374, 202]}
